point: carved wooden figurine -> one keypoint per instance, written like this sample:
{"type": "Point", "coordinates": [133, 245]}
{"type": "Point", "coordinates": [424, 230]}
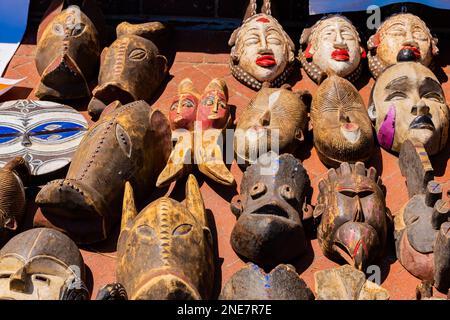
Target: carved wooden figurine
{"type": "Point", "coordinates": [408, 102]}
{"type": "Point", "coordinates": [342, 130]}
{"type": "Point", "coordinates": [401, 37]}
{"type": "Point", "coordinates": [131, 68]}
{"type": "Point", "coordinates": [332, 44]}
{"type": "Point", "coordinates": [261, 50]}
{"type": "Point", "coordinates": [253, 283]}
{"type": "Point", "coordinates": [131, 143]}
{"type": "Point", "coordinates": [274, 120]}
{"type": "Point", "coordinates": [166, 251]}
{"type": "Point", "coordinates": [42, 264]}
{"type": "Point", "coordinates": [354, 215]}
{"type": "Point", "coordinates": [270, 210]}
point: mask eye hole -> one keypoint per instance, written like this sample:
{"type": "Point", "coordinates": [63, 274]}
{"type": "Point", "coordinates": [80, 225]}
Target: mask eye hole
{"type": "Point", "coordinates": [258, 190]}
{"type": "Point", "coordinates": [348, 193]}
{"type": "Point", "coordinates": [287, 192]}
{"type": "Point", "coordinates": [5, 275]}
{"type": "Point", "coordinates": [78, 29]}
{"type": "Point", "coordinates": [182, 229]}
{"type": "Point", "coordinates": [41, 278]}
{"type": "Point", "coordinates": [138, 54]}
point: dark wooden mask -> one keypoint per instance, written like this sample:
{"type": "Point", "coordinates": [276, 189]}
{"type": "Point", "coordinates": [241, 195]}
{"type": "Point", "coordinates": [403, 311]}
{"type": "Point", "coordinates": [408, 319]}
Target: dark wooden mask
{"type": "Point", "coordinates": [131, 143]}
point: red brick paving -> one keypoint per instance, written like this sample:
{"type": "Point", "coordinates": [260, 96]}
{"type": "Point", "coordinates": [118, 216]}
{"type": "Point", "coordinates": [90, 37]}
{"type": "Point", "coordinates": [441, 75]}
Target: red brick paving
{"type": "Point", "coordinates": [190, 61]}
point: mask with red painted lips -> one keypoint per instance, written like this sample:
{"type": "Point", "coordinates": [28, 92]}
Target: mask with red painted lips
{"type": "Point", "coordinates": [183, 111]}
{"type": "Point", "coordinates": [213, 111]}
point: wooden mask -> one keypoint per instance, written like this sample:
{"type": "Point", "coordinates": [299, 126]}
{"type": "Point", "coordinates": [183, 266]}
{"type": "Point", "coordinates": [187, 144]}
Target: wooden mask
{"type": "Point", "coordinates": [341, 127]}
{"type": "Point", "coordinates": [67, 56]}
{"type": "Point", "coordinates": [166, 251]}
{"type": "Point", "coordinates": [42, 264]}
{"type": "Point", "coordinates": [332, 44]}
{"type": "Point", "coordinates": [131, 143]}
{"type": "Point", "coordinates": [274, 116]}
{"type": "Point", "coordinates": [183, 111]}
{"type": "Point", "coordinates": [403, 37]}
{"type": "Point", "coordinates": [252, 283]}
{"type": "Point", "coordinates": [131, 68]}
{"type": "Point", "coordinates": [408, 102]}
{"type": "Point", "coordinates": [270, 210]}
{"type": "Point", "coordinates": [354, 215]}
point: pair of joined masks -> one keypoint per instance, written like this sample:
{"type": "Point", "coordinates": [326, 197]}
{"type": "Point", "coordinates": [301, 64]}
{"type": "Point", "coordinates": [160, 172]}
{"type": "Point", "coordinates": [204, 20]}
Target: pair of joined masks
{"type": "Point", "coordinates": [332, 45]}
{"type": "Point", "coordinates": [198, 122]}
{"type": "Point", "coordinates": [403, 37]}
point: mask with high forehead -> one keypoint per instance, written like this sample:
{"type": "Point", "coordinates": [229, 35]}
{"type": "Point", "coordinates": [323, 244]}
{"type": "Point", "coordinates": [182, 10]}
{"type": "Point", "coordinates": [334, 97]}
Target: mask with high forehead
{"type": "Point", "coordinates": [354, 215]}
{"type": "Point", "coordinates": [274, 119]}
{"type": "Point", "coordinates": [408, 102]}
{"type": "Point", "coordinates": [261, 52]}
{"type": "Point", "coordinates": [67, 56]}
{"type": "Point", "coordinates": [213, 110]}
{"type": "Point", "coordinates": [341, 127]}
{"type": "Point", "coordinates": [131, 69]}
{"type": "Point", "coordinates": [403, 37]}
{"type": "Point", "coordinates": [166, 251]}
{"type": "Point", "coordinates": [183, 111]}
{"type": "Point", "coordinates": [42, 264]}
{"type": "Point", "coordinates": [269, 228]}
{"type": "Point", "coordinates": [332, 44]}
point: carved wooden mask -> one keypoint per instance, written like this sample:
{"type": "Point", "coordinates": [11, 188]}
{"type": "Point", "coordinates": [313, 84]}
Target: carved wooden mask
{"type": "Point", "coordinates": [183, 111]}
{"type": "Point", "coordinates": [408, 102]}
{"type": "Point", "coordinates": [269, 228]}
{"type": "Point", "coordinates": [403, 37]}
{"type": "Point", "coordinates": [354, 217]}
{"type": "Point", "coordinates": [342, 130]}
{"type": "Point", "coordinates": [332, 45]}
{"type": "Point", "coordinates": [213, 110]}
{"type": "Point", "coordinates": [131, 143]}
{"type": "Point", "coordinates": [42, 264]}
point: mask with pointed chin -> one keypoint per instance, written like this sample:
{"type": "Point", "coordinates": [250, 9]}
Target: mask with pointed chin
{"type": "Point", "coordinates": [213, 110]}
{"type": "Point", "coordinates": [183, 112]}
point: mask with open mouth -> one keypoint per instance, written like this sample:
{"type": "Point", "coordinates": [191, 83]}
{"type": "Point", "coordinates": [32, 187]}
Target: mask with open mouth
{"type": "Point", "coordinates": [354, 218]}
{"type": "Point", "coordinates": [402, 37]}
{"type": "Point", "coordinates": [270, 209]}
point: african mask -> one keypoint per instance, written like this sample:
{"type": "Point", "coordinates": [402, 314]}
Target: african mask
{"type": "Point", "coordinates": [131, 68]}
{"type": "Point", "coordinates": [342, 130]}
{"type": "Point", "coordinates": [346, 283]}
{"type": "Point", "coordinates": [332, 45]}
{"type": "Point", "coordinates": [67, 55]}
{"type": "Point", "coordinates": [403, 37]}
{"type": "Point", "coordinates": [213, 110]}
{"type": "Point", "coordinates": [261, 52]}
{"type": "Point", "coordinates": [354, 215]}
{"type": "Point", "coordinates": [166, 251]}
{"type": "Point", "coordinates": [408, 102]}
{"type": "Point", "coordinates": [274, 119]}
{"type": "Point", "coordinates": [270, 209]}
{"type": "Point", "coordinates": [252, 283]}
{"type": "Point", "coordinates": [183, 111]}
{"type": "Point", "coordinates": [42, 264]}
{"type": "Point", "coordinates": [131, 143]}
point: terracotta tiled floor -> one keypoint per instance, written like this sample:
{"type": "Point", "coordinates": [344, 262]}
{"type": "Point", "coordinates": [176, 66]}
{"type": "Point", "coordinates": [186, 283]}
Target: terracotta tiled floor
{"type": "Point", "coordinates": [201, 65]}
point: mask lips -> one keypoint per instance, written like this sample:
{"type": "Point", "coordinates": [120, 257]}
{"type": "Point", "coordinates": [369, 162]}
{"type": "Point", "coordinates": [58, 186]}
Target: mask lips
{"type": "Point", "coordinates": [422, 122]}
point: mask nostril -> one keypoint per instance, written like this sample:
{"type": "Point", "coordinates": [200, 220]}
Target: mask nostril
{"type": "Point", "coordinates": [414, 111]}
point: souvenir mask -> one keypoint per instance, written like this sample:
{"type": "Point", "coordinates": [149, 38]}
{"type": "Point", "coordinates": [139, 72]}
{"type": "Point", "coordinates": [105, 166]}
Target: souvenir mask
{"type": "Point", "coordinates": [41, 264]}
{"type": "Point", "coordinates": [166, 251]}
{"type": "Point", "coordinates": [131, 143]}
{"type": "Point", "coordinates": [342, 130]}
{"type": "Point", "coordinates": [67, 56]}
{"type": "Point", "coordinates": [403, 37]}
{"type": "Point", "coordinates": [347, 283]}
{"type": "Point", "coordinates": [213, 110]}
{"type": "Point", "coordinates": [332, 45]}
{"type": "Point", "coordinates": [270, 210]}
{"type": "Point", "coordinates": [275, 118]}
{"type": "Point", "coordinates": [131, 69]}
{"type": "Point", "coordinates": [408, 103]}
{"type": "Point", "coordinates": [252, 283]}
{"type": "Point", "coordinates": [261, 52]}
{"type": "Point", "coordinates": [183, 112]}
{"type": "Point", "coordinates": [354, 215]}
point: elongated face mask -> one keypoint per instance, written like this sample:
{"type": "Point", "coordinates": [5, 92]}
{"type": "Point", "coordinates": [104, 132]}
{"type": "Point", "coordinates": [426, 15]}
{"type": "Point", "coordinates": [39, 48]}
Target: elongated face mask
{"type": "Point", "coordinates": [213, 110]}
{"type": "Point", "coordinates": [183, 110]}
{"type": "Point", "coordinates": [408, 103]}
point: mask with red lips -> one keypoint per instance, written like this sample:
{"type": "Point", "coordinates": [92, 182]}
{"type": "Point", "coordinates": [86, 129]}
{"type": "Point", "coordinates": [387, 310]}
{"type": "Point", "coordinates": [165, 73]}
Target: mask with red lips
{"type": "Point", "coordinates": [213, 111]}
{"type": "Point", "coordinates": [183, 111]}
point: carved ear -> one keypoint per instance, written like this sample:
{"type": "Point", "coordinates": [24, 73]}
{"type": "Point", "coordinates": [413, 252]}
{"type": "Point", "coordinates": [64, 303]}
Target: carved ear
{"type": "Point", "coordinates": [299, 135]}
{"type": "Point", "coordinates": [305, 36]}
{"type": "Point", "coordinates": [129, 211]}
{"type": "Point", "coordinates": [236, 206]}
{"type": "Point", "coordinates": [162, 63]}
{"type": "Point", "coordinates": [374, 41]}
{"type": "Point", "coordinates": [435, 49]}
{"type": "Point", "coordinates": [11, 223]}
{"type": "Point", "coordinates": [308, 211]}
{"type": "Point", "coordinates": [372, 111]}
{"type": "Point", "coordinates": [233, 37]}
{"type": "Point", "coordinates": [194, 200]}
{"type": "Point", "coordinates": [318, 210]}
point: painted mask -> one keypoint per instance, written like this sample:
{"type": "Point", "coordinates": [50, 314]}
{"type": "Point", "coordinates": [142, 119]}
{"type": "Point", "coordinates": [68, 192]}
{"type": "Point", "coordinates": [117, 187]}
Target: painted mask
{"type": "Point", "coordinates": [274, 119]}
{"type": "Point", "coordinates": [131, 69]}
{"type": "Point", "coordinates": [261, 52]}
{"type": "Point", "coordinates": [41, 264]}
{"type": "Point", "coordinates": [342, 130]}
{"type": "Point", "coordinates": [166, 251]}
{"type": "Point", "coordinates": [354, 215]}
{"type": "Point", "coordinates": [269, 228]}
{"type": "Point", "coordinates": [332, 45]}
{"type": "Point", "coordinates": [403, 37]}
{"type": "Point", "coordinates": [183, 111]}
{"type": "Point", "coordinates": [252, 283]}
{"type": "Point", "coordinates": [67, 56]}
{"type": "Point", "coordinates": [213, 110]}
{"type": "Point", "coordinates": [132, 144]}
{"type": "Point", "coordinates": [408, 102]}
